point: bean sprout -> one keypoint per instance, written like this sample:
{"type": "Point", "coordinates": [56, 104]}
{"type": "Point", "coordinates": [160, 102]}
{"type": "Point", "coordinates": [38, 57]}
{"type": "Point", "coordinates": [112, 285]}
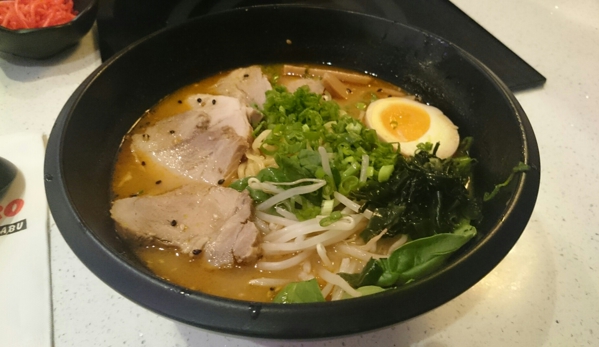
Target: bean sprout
{"type": "Point", "coordinates": [402, 240]}
{"type": "Point", "coordinates": [284, 264]}
{"type": "Point", "coordinates": [326, 238]}
{"type": "Point", "coordinates": [322, 253]}
{"type": "Point", "coordinates": [358, 253]}
{"type": "Point", "coordinates": [324, 158]}
{"type": "Point", "coordinates": [338, 281]}
{"type": "Point", "coordinates": [350, 204]}
{"type": "Point", "coordinates": [364, 169]}
{"type": "Point", "coordinates": [274, 219]}
{"type": "Point", "coordinates": [285, 214]}
{"type": "Point", "coordinates": [270, 202]}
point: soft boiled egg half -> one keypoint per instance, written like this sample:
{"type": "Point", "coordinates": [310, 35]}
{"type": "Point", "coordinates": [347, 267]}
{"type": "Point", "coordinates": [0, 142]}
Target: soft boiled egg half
{"type": "Point", "coordinates": [409, 122]}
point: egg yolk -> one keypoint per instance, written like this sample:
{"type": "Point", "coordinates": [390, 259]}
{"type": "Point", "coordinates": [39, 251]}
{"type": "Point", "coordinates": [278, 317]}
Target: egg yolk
{"type": "Point", "coordinates": [407, 121]}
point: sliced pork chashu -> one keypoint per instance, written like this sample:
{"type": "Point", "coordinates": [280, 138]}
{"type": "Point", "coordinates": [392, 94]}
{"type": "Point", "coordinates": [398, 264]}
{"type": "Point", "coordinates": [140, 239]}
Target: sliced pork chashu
{"type": "Point", "coordinates": [204, 144]}
{"type": "Point", "coordinates": [248, 84]}
{"type": "Point", "coordinates": [194, 218]}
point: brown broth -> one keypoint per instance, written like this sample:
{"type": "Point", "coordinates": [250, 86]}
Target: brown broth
{"type": "Point", "coordinates": [135, 175]}
{"type": "Point", "coordinates": [196, 274]}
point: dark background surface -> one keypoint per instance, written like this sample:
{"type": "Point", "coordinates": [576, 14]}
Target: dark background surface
{"type": "Point", "coordinates": [122, 22]}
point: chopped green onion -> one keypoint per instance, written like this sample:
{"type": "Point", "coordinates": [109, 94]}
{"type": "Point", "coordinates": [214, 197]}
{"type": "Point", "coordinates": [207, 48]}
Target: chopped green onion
{"type": "Point", "coordinates": [332, 218]}
{"type": "Point", "coordinates": [385, 172]}
{"type": "Point", "coordinates": [327, 207]}
{"type": "Point", "coordinates": [370, 171]}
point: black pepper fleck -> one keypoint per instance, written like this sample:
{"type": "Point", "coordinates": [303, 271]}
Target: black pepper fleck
{"type": "Point", "coordinates": [246, 76]}
{"type": "Point", "coordinates": [272, 288]}
{"type": "Point", "coordinates": [199, 100]}
{"type": "Point", "coordinates": [379, 90]}
{"type": "Point", "coordinates": [213, 101]}
{"type": "Point", "coordinates": [196, 251]}
{"type": "Point", "coordinates": [143, 163]}
{"type": "Point", "coordinates": [174, 223]}
{"type": "Point", "coordinates": [348, 91]}
{"type": "Point", "coordinates": [172, 132]}
{"type": "Point", "coordinates": [221, 181]}
{"type": "Point", "coordinates": [159, 181]}
{"type": "Point", "coordinates": [179, 101]}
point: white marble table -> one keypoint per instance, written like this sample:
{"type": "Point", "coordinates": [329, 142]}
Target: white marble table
{"type": "Point", "coordinates": [544, 293]}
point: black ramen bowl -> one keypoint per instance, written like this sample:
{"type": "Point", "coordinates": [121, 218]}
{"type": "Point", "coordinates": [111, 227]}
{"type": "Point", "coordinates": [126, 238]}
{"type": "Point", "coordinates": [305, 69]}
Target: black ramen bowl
{"type": "Point", "coordinates": [43, 43]}
{"type": "Point", "coordinates": [84, 142]}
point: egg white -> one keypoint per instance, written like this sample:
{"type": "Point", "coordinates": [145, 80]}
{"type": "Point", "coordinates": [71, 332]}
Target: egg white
{"type": "Point", "coordinates": [441, 129]}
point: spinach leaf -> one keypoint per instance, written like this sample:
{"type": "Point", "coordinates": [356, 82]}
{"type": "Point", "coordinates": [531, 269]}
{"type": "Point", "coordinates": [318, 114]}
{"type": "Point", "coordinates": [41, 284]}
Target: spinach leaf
{"type": "Point", "coordinates": [413, 260]}
{"type": "Point", "coordinates": [370, 275]}
{"type": "Point", "coordinates": [299, 292]}
{"type": "Point", "coordinates": [272, 174]}
{"type": "Point", "coordinates": [366, 290]}
{"type": "Point", "coordinates": [421, 257]}
{"type": "Point", "coordinates": [299, 165]}
{"type": "Point", "coordinates": [521, 167]}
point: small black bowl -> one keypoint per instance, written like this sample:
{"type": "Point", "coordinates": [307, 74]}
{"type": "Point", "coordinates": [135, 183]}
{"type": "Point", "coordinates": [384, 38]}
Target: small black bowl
{"type": "Point", "coordinates": [83, 145]}
{"type": "Point", "coordinates": [8, 173]}
{"type": "Point", "coordinates": [45, 42]}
